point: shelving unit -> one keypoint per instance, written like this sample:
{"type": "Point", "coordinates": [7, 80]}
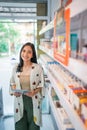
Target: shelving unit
{"type": "Point", "coordinates": [54, 110]}
{"type": "Point", "coordinates": [61, 118]}
{"type": "Point", "coordinates": [47, 28]}
{"type": "Point", "coordinates": [73, 115]}
{"type": "Point", "coordinates": [80, 72]}
{"type": "Point", "coordinates": [77, 67]}
{"type": "Point", "coordinates": [75, 119]}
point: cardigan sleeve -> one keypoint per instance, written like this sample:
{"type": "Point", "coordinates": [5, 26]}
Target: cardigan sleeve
{"type": "Point", "coordinates": [41, 82]}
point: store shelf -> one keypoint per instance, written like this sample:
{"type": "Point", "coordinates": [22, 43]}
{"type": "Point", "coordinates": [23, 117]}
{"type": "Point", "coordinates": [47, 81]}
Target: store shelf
{"type": "Point", "coordinates": [76, 7]}
{"type": "Point", "coordinates": [56, 116]}
{"type": "Point", "coordinates": [47, 28]}
{"type": "Point", "coordinates": [78, 68]}
{"type": "Point", "coordinates": [50, 26]}
{"type": "Point", "coordinates": [74, 117]}
{"type": "Point", "coordinates": [49, 52]}
{"type": "Point", "coordinates": [80, 72]}
{"type": "Point", "coordinates": [43, 65]}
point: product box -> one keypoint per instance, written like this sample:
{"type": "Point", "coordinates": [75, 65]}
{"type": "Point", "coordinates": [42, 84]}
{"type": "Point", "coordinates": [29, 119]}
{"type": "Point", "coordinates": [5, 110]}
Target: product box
{"type": "Point", "coordinates": [84, 110]}
{"type": "Point", "coordinates": [64, 119]}
{"type": "Point", "coordinates": [70, 93]}
{"type": "Point", "coordinates": [73, 45]}
{"type": "Point", "coordinates": [79, 98]}
{"type": "Point", "coordinates": [63, 116]}
{"type": "Point", "coordinates": [76, 103]}
{"type": "Point", "coordinates": [74, 99]}
{"type": "Point", "coordinates": [68, 127]}
{"type": "Point", "coordinates": [61, 44]}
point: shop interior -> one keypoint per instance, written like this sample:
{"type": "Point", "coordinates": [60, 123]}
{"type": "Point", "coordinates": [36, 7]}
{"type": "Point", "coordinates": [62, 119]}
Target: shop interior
{"type": "Point", "coordinates": [58, 29]}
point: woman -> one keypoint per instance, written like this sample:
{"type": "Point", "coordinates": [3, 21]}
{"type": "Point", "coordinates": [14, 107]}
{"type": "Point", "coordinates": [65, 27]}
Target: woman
{"type": "Point", "coordinates": [27, 75]}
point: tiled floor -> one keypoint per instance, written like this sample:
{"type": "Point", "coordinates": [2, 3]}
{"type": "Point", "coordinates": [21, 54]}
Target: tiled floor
{"type": "Point", "coordinates": [47, 123]}
{"type": "Point", "coordinates": [7, 122]}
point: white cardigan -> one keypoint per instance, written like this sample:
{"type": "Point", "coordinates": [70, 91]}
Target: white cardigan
{"type": "Point", "coordinates": [36, 80]}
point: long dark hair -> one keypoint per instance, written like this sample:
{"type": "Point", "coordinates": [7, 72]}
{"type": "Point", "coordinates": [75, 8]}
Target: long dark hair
{"type": "Point", "coordinates": [33, 59]}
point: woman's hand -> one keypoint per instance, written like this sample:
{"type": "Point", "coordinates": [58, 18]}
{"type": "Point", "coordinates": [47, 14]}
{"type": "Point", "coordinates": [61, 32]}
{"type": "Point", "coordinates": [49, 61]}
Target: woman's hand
{"type": "Point", "coordinates": [30, 94]}
{"type": "Point", "coordinates": [17, 94]}
{"type": "Point", "coordinates": [33, 92]}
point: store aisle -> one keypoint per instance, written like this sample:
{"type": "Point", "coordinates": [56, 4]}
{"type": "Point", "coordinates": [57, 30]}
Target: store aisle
{"type": "Point", "coordinates": [47, 122]}
{"type": "Point", "coordinates": [46, 118]}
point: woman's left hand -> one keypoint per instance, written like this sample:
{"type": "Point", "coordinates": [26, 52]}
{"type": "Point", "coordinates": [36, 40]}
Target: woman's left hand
{"type": "Point", "coordinates": [33, 92]}
{"type": "Point", "coordinates": [30, 94]}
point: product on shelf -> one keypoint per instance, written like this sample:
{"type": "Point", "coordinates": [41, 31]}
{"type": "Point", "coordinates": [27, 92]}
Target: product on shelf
{"type": "Point", "coordinates": [79, 98]}
{"type": "Point", "coordinates": [72, 88]}
{"type": "Point", "coordinates": [65, 121]}
{"type": "Point", "coordinates": [61, 45]}
{"type": "Point", "coordinates": [84, 112]}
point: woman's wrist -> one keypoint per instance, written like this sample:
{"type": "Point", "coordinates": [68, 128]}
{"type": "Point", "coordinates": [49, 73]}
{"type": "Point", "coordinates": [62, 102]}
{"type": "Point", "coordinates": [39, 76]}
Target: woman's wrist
{"type": "Point", "coordinates": [37, 90]}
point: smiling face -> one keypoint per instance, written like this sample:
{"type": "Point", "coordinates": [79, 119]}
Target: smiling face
{"type": "Point", "coordinates": [26, 53]}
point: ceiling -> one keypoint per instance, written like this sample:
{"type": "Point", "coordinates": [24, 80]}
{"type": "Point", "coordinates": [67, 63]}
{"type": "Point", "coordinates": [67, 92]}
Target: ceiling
{"type": "Point", "coordinates": [19, 9]}
{"type": "Point", "coordinates": [24, 1]}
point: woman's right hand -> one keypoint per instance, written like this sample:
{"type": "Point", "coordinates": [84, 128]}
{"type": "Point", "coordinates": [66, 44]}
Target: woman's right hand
{"type": "Point", "coordinates": [17, 94]}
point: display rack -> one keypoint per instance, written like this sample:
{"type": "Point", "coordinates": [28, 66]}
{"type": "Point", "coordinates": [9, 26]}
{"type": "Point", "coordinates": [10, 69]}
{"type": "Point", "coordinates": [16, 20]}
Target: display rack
{"type": "Point", "coordinates": [80, 72]}
{"type": "Point", "coordinates": [60, 124]}
{"type": "Point", "coordinates": [74, 117]}
{"type": "Point", "coordinates": [77, 67]}
{"type": "Point", "coordinates": [54, 110]}
{"type": "Point", "coordinates": [47, 28]}
{"type": "Point", "coordinates": [76, 7]}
